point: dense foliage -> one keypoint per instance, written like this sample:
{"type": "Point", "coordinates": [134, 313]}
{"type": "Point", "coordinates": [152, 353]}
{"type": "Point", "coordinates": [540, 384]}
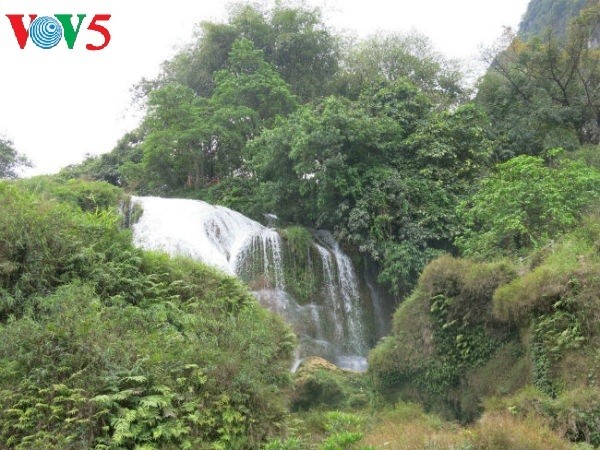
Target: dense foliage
{"type": "Point", "coordinates": [108, 347]}
{"type": "Point", "coordinates": [381, 150]}
{"type": "Point", "coordinates": [292, 40]}
{"type": "Point", "coordinates": [376, 150]}
{"type": "Point", "coordinates": [442, 332]}
{"type": "Point", "coordinates": [525, 204]}
{"type": "Point", "coordinates": [484, 207]}
{"type": "Point", "coordinates": [473, 330]}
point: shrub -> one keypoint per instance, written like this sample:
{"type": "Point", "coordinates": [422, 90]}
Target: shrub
{"type": "Point", "coordinates": [342, 431]}
{"type": "Point", "coordinates": [320, 384]}
{"type": "Point", "coordinates": [557, 307]}
{"type": "Point", "coordinates": [407, 427]}
{"type": "Point", "coordinates": [87, 195]}
{"type": "Point", "coordinates": [46, 243]}
{"type": "Point", "coordinates": [568, 270]}
{"type": "Point", "coordinates": [525, 204]}
{"type": "Point", "coordinates": [574, 415]}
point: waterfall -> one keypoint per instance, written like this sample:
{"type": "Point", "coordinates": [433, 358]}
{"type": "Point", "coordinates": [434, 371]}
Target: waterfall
{"type": "Point", "coordinates": [331, 325]}
{"type": "Point", "coordinates": [333, 304]}
{"type": "Point", "coordinates": [212, 234]}
{"type": "Point", "coordinates": [346, 287]}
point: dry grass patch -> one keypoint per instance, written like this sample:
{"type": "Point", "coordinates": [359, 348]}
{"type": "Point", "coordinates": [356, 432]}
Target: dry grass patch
{"type": "Point", "coordinates": [408, 428]}
{"type": "Point", "coordinates": [506, 432]}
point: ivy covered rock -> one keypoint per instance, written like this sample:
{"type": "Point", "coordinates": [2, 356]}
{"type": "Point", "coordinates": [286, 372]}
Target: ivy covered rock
{"type": "Point", "coordinates": [444, 330]}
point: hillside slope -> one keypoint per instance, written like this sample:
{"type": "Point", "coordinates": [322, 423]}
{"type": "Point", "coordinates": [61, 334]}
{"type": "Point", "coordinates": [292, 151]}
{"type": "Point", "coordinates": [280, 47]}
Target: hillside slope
{"type": "Point", "coordinates": [105, 346]}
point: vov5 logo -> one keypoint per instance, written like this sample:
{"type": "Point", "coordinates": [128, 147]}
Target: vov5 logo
{"type": "Point", "coordinates": [46, 32]}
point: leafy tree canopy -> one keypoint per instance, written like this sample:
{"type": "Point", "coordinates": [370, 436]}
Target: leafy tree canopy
{"type": "Point", "coordinates": [294, 40]}
{"type": "Point", "coordinates": [525, 204]}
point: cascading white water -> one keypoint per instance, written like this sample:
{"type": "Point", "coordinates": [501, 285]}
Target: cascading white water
{"type": "Point", "coordinates": [346, 288]}
{"type": "Point", "coordinates": [331, 326]}
{"type": "Point", "coordinates": [212, 234]}
{"type": "Point", "coordinates": [330, 285]}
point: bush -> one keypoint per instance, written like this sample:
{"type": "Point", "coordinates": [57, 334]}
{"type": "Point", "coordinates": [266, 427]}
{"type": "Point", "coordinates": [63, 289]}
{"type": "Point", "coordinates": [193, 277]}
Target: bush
{"type": "Point", "coordinates": [342, 431]}
{"type": "Point", "coordinates": [87, 195]}
{"type": "Point", "coordinates": [46, 243]}
{"type": "Point", "coordinates": [525, 204]}
{"type": "Point", "coordinates": [320, 384]}
{"type": "Point", "coordinates": [502, 432]}
{"type": "Point", "coordinates": [565, 271]}
{"type": "Point", "coordinates": [508, 370]}
{"type": "Point", "coordinates": [557, 307]}
{"type": "Point", "coordinates": [407, 427]}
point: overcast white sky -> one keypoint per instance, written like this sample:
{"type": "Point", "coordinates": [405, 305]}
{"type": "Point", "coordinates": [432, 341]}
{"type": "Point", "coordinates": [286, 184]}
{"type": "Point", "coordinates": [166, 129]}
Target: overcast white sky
{"type": "Point", "coordinates": [59, 104]}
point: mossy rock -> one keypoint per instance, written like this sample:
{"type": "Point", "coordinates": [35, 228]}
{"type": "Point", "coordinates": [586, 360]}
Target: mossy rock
{"type": "Point", "coordinates": [321, 384]}
{"type": "Point", "coordinates": [314, 363]}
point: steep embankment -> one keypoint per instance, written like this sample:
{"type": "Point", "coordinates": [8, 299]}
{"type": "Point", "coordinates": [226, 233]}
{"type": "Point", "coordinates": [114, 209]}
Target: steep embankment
{"type": "Point", "coordinates": [105, 346]}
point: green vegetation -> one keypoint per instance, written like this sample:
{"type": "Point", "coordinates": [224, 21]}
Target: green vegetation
{"type": "Point", "coordinates": [538, 325]}
{"type": "Point", "coordinates": [270, 112]}
{"type": "Point", "coordinates": [10, 159]}
{"type": "Point", "coordinates": [525, 204]}
{"type": "Point", "coordinates": [575, 413]}
{"type": "Point", "coordinates": [405, 426]}
{"type": "Point", "coordinates": [88, 196]}
{"type": "Point", "coordinates": [108, 347]}
{"type": "Point", "coordinates": [380, 150]}
{"type": "Point", "coordinates": [479, 212]}
{"type": "Point", "coordinates": [443, 333]}
{"type": "Point", "coordinates": [319, 384]}
{"type": "Point", "coordinates": [302, 265]}
{"type": "Point", "coordinates": [543, 93]}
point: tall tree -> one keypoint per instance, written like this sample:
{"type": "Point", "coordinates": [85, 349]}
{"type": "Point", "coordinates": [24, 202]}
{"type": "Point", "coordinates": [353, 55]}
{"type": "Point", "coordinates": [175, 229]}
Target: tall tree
{"type": "Point", "coordinates": [194, 142]}
{"type": "Point", "coordinates": [391, 57]}
{"type": "Point", "coordinates": [10, 159]}
{"type": "Point", "coordinates": [250, 81]}
{"type": "Point", "coordinates": [294, 40]}
{"type": "Point", "coordinates": [385, 172]}
{"type": "Point", "coordinates": [172, 150]}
